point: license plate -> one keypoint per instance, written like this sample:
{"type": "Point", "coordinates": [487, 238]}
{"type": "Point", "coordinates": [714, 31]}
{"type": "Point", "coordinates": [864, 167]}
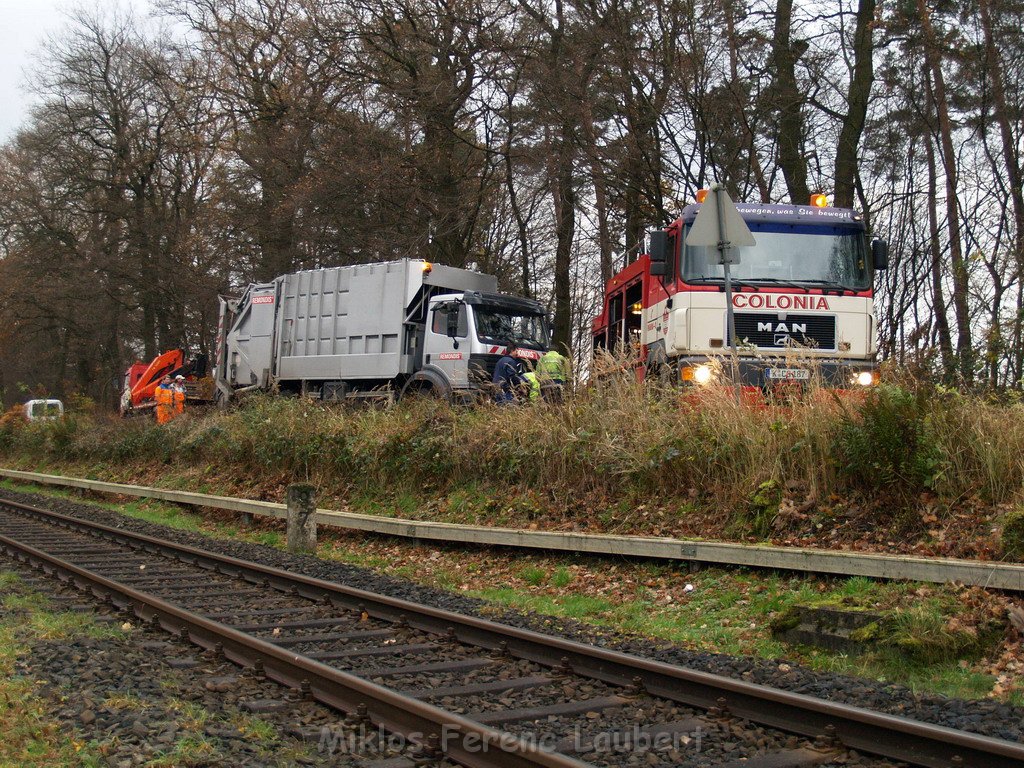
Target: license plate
{"type": "Point", "coordinates": [788, 374]}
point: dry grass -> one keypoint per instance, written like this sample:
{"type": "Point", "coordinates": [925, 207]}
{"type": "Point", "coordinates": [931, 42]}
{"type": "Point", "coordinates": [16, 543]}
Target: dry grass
{"type": "Point", "coordinates": [614, 441]}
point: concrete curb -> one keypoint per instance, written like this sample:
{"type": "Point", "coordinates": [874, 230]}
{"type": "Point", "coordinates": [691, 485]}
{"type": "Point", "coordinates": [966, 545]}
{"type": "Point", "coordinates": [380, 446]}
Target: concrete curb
{"type": "Point", "coordinates": [1006, 576]}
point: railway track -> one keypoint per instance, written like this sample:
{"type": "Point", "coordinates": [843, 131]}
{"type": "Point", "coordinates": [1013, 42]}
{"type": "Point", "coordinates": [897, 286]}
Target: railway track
{"type": "Point", "coordinates": [465, 689]}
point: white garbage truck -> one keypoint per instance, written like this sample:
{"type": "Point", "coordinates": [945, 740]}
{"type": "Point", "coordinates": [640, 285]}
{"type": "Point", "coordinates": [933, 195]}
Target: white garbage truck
{"type": "Point", "coordinates": [384, 329]}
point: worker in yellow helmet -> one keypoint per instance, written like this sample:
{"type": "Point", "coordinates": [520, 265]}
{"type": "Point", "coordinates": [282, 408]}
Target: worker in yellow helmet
{"type": "Point", "coordinates": [552, 374]}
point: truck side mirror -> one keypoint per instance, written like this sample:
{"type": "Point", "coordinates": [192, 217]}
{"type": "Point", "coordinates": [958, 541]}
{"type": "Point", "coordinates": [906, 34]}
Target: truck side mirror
{"type": "Point", "coordinates": [880, 254]}
{"type": "Point", "coordinates": [659, 268]}
{"type": "Point", "coordinates": [453, 322]}
{"type": "Point", "coordinates": [659, 246]}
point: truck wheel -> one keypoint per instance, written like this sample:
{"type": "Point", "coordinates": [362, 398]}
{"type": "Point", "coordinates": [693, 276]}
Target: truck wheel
{"type": "Point", "coordinates": [658, 370]}
{"type": "Point", "coordinates": [421, 389]}
{"type": "Point", "coordinates": [220, 400]}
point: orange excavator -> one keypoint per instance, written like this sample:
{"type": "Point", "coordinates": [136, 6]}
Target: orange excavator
{"type": "Point", "coordinates": [141, 380]}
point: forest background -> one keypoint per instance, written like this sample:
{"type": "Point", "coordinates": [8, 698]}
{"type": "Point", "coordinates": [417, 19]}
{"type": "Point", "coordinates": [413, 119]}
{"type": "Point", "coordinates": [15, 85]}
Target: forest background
{"type": "Point", "coordinates": [184, 153]}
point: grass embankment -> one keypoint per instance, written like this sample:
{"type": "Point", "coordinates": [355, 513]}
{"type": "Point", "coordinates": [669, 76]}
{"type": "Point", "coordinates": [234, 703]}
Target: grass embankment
{"type": "Point", "coordinates": [906, 469]}
{"type": "Point", "coordinates": [30, 736]}
{"type": "Point", "coordinates": [939, 639]}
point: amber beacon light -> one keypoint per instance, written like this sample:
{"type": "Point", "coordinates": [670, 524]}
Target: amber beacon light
{"type": "Point", "coordinates": [702, 195]}
{"type": "Point", "coordinates": [818, 200]}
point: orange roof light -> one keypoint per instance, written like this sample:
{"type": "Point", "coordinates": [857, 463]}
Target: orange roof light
{"type": "Point", "coordinates": [702, 195]}
{"type": "Point", "coordinates": [818, 200]}
{"type": "Point", "coordinates": [427, 266]}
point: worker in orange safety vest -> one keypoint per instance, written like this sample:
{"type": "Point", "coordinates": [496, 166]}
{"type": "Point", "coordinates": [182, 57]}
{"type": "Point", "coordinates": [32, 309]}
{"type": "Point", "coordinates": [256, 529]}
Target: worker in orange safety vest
{"type": "Point", "coordinates": [164, 396]}
{"type": "Point", "coordinates": [179, 395]}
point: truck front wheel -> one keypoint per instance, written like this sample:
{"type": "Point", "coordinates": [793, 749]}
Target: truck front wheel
{"type": "Point", "coordinates": [657, 368]}
{"type": "Point", "coordinates": [426, 386]}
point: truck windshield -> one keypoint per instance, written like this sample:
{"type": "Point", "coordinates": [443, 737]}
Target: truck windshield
{"type": "Point", "coordinates": [831, 256]}
{"type": "Point", "coordinates": [498, 326]}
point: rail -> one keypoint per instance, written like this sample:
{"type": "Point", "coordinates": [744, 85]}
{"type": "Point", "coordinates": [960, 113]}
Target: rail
{"type": "Point", "coordinates": [111, 574]}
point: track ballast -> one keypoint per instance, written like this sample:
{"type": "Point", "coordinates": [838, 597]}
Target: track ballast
{"type": "Point", "coordinates": [466, 689]}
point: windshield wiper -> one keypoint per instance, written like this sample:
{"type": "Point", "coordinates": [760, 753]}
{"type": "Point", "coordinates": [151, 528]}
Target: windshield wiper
{"type": "Point", "coordinates": [806, 284]}
{"type": "Point", "coordinates": [833, 284]}
{"type": "Point", "coordinates": [778, 281]}
{"type": "Point", "coordinates": [718, 281]}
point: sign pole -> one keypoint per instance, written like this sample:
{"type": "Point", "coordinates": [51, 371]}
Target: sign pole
{"type": "Point", "coordinates": [728, 233]}
{"type": "Point", "coordinates": [724, 247]}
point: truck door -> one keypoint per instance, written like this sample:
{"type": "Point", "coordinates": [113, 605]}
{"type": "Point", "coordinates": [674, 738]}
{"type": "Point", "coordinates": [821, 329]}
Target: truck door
{"type": "Point", "coordinates": [447, 344]}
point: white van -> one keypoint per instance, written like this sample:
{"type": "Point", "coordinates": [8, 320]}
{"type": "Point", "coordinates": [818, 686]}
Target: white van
{"type": "Point", "coordinates": [43, 410]}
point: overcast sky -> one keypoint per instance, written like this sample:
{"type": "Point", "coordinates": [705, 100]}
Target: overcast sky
{"type": "Point", "coordinates": [24, 25]}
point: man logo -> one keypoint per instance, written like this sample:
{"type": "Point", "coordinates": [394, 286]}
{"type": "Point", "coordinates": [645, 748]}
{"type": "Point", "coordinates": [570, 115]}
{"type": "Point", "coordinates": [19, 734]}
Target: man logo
{"type": "Point", "coordinates": [782, 333]}
{"type": "Point", "coordinates": [782, 328]}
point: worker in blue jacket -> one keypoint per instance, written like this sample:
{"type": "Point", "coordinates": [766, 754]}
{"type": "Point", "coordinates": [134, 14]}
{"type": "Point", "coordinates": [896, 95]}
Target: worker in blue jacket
{"type": "Point", "coordinates": [508, 377]}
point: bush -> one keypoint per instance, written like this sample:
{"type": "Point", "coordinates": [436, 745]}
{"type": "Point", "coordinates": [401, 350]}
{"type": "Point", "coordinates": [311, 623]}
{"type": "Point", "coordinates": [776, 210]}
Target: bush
{"type": "Point", "coordinates": [12, 422]}
{"type": "Point", "coordinates": [886, 446]}
{"type": "Point", "coordinates": [613, 444]}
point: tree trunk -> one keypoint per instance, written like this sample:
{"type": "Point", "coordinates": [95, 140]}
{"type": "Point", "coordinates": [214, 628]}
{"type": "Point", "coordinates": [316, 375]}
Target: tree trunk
{"type": "Point", "coordinates": [938, 295]}
{"type": "Point", "coordinates": [148, 330]}
{"type": "Point", "coordinates": [604, 240]}
{"type": "Point", "coordinates": [565, 227]}
{"type": "Point", "coordinates": [1010, 159]}
{"type": "Point", "coordinates": [790, 102]}
{"type": "Point", "coordinates": [521, 230]}
{"type": "Point", "coordinates": [857, 106]}
{"type": "Point", "coordinates": [938, 93]}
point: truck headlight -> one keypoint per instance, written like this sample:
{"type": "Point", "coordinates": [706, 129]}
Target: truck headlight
{"type": "Point", "coordinates": [702, 374]}
{"type": "Point", "coordinates": [865, 378]}
{"type": "Point", "coordinates": [697, 374]}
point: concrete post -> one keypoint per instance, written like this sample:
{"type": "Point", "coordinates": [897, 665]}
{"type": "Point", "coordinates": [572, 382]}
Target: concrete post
{"type": "Point", "coordinates": [301, 499]}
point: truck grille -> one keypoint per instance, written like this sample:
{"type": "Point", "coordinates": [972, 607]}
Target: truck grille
{"type": "Point", "coordinates": [767, 330]}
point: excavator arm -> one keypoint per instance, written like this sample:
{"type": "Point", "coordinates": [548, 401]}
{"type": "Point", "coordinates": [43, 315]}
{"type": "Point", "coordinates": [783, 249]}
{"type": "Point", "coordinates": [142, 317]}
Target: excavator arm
{"type": "Point", "coordinates": [163, 364]}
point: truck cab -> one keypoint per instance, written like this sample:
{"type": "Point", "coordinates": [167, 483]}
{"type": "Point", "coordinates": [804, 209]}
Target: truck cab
{"type": "Point", "coordinates": [467, 333]}
{"type": "Point", "coordinates": [802, 297]}
{"type": "Point", "coordinates": [44, 410]}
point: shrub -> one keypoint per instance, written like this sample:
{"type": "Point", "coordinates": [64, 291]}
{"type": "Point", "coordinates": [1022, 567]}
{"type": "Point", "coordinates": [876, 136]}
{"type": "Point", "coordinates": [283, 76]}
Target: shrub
{"type": "Point", "coordinates": [885, 445]}
{"type": "Point", "coordinates": [12, 422]}
{"type": "Point", "coordinates": [616, 443]}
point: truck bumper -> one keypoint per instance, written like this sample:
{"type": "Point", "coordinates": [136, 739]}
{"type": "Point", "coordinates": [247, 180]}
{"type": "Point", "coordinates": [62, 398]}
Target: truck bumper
{"type": "Point", "coordinates": [754, 372]}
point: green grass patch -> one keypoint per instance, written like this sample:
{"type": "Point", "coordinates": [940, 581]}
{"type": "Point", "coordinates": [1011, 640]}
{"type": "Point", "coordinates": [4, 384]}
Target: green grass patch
{"type": "Point", "coordinates": [191, 750]}
{"type": "Point", "coordinates": [30, 736]}
{"type": "Point", "coordinates": [255, 729]}
{"type": "Point", "coordinates": [191, 716]}
{"type": "Point", "coordinates": [561, 578]}
{"type": "Point", "coordinates": [533, 576]}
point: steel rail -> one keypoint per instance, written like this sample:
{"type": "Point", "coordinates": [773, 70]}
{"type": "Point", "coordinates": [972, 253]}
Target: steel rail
{"type": "Point", "coordinates": [465, 741]}
{"type": "Point", "coordinates": [876, 733]}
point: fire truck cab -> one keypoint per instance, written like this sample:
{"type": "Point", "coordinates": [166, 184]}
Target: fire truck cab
{"type": "Point", "coordinates": [802, 298]}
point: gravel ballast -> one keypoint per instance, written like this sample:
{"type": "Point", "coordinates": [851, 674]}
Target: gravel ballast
{"type": "Point", "coordinates": [988, 717]}
{"type": "Point", "coordinates": [144, 697]}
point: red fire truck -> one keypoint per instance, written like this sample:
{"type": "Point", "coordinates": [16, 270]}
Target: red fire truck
{"type": "Point", "coordinates": [802, 298]}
